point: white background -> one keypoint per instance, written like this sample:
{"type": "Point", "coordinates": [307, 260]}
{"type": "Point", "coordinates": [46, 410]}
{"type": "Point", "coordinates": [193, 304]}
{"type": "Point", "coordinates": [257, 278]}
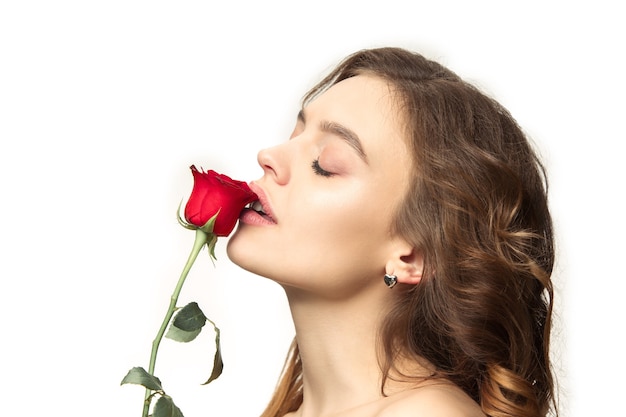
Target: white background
{"type": "Point", "coordinates": [105, 104]}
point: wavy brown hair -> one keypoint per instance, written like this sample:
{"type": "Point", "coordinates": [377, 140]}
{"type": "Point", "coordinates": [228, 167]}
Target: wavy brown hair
{"type": "Point", "coordinates": [477, 210]}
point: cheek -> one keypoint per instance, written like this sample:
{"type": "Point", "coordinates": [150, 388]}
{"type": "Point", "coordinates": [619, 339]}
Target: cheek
{"type": "Point", "coordinates": [325, 235]}
{"type": "Point", "coordinates": [344, 221]}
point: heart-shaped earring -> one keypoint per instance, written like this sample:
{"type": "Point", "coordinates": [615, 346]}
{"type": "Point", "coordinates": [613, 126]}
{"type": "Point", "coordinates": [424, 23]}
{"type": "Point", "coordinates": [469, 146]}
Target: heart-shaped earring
{"type": "Point", "coordinates": [391, 280]}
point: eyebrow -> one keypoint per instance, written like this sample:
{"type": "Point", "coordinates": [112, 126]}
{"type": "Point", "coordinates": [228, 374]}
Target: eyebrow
{"type": "Point", "coordinates": [342, 132]}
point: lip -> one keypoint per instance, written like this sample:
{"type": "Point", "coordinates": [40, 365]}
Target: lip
{"type": "Point", "coordinates": [264, 201]}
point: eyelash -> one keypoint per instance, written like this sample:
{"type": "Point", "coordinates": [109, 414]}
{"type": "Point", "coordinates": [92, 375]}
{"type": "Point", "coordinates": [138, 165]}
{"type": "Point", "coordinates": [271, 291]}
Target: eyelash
{"type": "Point", "coordinates": [319, 170]}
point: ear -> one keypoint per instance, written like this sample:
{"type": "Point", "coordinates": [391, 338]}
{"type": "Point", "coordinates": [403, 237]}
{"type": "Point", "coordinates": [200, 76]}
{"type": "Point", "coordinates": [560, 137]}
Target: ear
{"type": "Point", "coordinates": [406, 263]}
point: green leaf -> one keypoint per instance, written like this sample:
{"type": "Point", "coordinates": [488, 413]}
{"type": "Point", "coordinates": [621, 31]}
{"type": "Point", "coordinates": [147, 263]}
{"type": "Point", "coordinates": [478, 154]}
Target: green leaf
{"type": "Point", "coordinates": [178, 335]}
{"type": "Point", "coordinates": [183, 222]}
{"type": "Point", "coordinates": [165, 407]}
{"type": "Point", "coordinates": [218, 363]}
{"type": "Point", "coordinates": [211, 246]}
{"type": "Point", "coordinates": [190, 318]}
{"type": "Point", "coordinates": [140, 376]}
{"type": "Point", "coordinates": [208, 226]}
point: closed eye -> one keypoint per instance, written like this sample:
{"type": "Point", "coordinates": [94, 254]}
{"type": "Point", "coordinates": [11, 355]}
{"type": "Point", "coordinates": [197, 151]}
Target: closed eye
{"type": "Point", "coordinates": [319, 170]}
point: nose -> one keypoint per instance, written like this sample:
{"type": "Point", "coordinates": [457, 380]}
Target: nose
{"type": "Point", "coordinates": [274, 163]}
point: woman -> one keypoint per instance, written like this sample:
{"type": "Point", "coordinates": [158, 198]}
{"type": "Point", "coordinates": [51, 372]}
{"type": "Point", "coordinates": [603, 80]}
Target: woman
{"type": "Point", "coordinates": [407, 220]}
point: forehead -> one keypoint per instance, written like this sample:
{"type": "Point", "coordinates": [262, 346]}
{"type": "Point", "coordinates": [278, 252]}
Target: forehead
{"type": "Point", "coordinates": [361, 95]}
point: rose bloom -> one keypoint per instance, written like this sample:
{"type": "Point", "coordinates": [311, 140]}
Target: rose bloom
{"type": "Point", "coordinates": [217, 193]}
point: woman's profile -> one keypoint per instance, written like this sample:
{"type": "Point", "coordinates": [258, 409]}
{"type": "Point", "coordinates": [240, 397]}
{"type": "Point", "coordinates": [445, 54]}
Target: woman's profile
{"type": "Point", "coordinates": [407, 220]}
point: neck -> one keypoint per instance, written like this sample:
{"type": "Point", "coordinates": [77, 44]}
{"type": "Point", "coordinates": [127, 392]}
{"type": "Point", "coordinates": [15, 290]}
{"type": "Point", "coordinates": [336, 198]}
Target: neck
{"type": "Point", "coordinates": [337, 342]}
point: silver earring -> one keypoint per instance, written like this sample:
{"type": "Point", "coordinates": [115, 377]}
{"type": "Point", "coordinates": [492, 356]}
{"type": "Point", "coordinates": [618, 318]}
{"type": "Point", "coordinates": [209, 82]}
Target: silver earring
{"type": "Point", "coordinates": [391, 280]}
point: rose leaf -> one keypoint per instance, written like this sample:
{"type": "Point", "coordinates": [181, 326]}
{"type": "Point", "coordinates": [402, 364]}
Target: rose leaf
{"type": "Point", "coordinates": [178, 335]}
{"type": "Point", "coordinates": [190, 318]}
{"type": "Point", "coordinates": [165, 407]}
{"type": "Point", "coordinates": [140, 376]}
{"type": "Point", "coordinates": [218, 364]}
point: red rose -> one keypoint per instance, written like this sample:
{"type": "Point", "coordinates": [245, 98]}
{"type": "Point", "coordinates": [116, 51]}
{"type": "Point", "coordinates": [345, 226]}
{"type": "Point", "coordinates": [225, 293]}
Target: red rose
{"type": "Point", "coordinates": [213, 194]}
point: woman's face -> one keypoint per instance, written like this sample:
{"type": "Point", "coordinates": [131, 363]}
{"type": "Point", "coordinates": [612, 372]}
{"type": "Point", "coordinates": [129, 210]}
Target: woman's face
{"type": "Point", "coordinates": [331, 192]}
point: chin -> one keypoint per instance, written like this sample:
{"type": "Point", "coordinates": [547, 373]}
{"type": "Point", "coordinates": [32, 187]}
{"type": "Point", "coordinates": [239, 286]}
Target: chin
{"type": "Point", "coordinates": [242, 253]}
{"type": "Point", "coordinates": [234, 250]}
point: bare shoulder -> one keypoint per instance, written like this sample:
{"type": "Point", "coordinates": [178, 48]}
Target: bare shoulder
{"type": "Point", "coordinates": [436, 400]}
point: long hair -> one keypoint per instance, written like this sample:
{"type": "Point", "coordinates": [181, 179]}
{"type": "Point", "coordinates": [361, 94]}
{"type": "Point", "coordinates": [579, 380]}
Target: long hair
{"type": "Point", "coordinates": [477, 211]}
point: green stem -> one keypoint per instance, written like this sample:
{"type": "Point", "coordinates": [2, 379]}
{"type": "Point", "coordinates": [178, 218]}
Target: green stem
{"type": "Point", "coordinates": [202, 238]}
